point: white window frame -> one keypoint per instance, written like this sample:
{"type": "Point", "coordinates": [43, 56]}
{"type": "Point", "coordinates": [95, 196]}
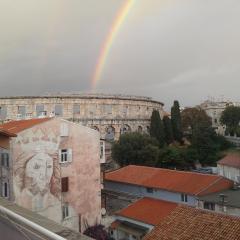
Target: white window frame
{"type": "Point", "coordinates": [184, 197]}
{"type": "Point", "coordinates": [65, 155]}
{"type": "Point", "coordinates": [65, 211]}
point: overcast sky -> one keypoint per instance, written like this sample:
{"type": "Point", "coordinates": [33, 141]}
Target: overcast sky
{"type": "Point", "coordinates": [166, 49]}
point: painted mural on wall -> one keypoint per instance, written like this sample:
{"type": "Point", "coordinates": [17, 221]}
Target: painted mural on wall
{"type": "Point", "coordinates": [37, 173]}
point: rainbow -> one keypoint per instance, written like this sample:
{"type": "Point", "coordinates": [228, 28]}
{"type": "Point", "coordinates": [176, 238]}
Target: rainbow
{"type": "Point", "coordinates": [105, 50]}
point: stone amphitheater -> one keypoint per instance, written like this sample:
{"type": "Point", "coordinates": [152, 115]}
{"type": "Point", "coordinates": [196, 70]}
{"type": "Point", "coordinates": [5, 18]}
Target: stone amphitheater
{"type": "Point", "coordinates": [111, 115]}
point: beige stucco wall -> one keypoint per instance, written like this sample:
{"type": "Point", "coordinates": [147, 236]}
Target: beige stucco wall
{"type": "Point", "coordinates": [229, 172]}
{"type": "Point", "coordinates": [37, 172]}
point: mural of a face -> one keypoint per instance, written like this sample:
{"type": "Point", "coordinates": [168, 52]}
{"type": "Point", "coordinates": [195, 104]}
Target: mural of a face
{"type": "Point", "coordinates": [40, 169]}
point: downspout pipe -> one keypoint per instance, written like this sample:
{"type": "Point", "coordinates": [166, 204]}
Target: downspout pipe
{"type": "Point", "coordinates": [31, 224]}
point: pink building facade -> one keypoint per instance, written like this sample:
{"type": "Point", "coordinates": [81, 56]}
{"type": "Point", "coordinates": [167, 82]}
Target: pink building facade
{"type": "Point", "coordinates": [54, 170]}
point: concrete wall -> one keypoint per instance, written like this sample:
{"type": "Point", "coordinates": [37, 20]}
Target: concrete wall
{"type": "Point", "coordinates": [37, 172]}
{"type": "Point", "coordinates": [223, 209]}
{"type": "Point", "coordinates": [229, 172]}
{"type": "Point", "coordinates": [130, 234]}
{"type": "Point", "coordinates": [142, 192]}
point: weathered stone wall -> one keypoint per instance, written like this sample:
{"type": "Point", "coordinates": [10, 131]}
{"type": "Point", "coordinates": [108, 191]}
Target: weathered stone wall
{"type": "Point", "coordinates": [105, 113]}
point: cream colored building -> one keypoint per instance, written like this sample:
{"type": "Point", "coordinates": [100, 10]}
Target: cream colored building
{"type": "Point", "coordinates": [111, 115]}
{"type": "Point", "coordinates": [214, 110]}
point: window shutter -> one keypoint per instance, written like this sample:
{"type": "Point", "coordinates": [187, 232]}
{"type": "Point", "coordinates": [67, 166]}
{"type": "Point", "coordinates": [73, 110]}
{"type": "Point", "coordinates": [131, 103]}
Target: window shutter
{"type": "Point", "coordinates": [2, 159]}
{"type": "Point", "coordinates": [64, 130]}
{"type": "Point", "coordinates": [7, 160]}
{"type": "Point", "coordinates": [3, 187]}
{"type": "Point", "coordinates": [65, 184]}
{"type": "Point", "coordinates": [69, 157]}
{"type": "Point", "coordinates": [60, 156]}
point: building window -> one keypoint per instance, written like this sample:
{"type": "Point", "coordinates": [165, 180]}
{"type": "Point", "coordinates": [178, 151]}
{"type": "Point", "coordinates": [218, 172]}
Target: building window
{"type": "Point", "coordinates": [92, 109]}
{"type": "Point", "coordinates": [58, 110]}
{"type": "Point", "coordinates": [5, 190]}
{"type": "Point", "coordinates": [209, 206]}
{"type": "Point", "coordinates": [64, 130]}
{"type": "Point", "coordinates": [65, 155]}
{"type": "Point", "coordinates": [184, 197]}
{"type": "Point", "coordinates": [108, 109]}
{"type": "Point", "coordinates": [125, 110]}
{"type": "Point", "coordinates": [110, 133]}
{"type": "Point", "coordinates": [101, 150]}
{"type": "Point", "coordinates": [64, 184]}
{"type": "Point", "coordinates": [5, 159]}
{"type": "Point", "coordinates": [22, 110]}
{"type": "Point", "coordinates": [76, 109]}
{"type": "Point", "coordinates": [65, 210]}
{"type": "Point", "coordinates": [150, 190]}
{"type": "Point", "coordinates": [40, 110]}
{"type": "Point", "coordinates": [3, 112]}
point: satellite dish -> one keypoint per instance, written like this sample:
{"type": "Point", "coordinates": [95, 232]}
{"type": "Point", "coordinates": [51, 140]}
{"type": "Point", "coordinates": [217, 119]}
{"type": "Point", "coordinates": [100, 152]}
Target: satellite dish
{"type": "Point", "coordinates": [103, 211]}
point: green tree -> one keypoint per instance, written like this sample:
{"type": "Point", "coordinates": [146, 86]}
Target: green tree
{"type": "Point", "coordinates": [157, 128]}
{"type": "Point", "coordinates": [176, 121]}
{"type": "Point", "coordinates": [172, 157]}
{"type": "Point", "coordinates": [168, 130]}
{"type": "Point", "coordinates": [231, 118]}
{"type": "Point", "coordinates": [193, 116]}
{"type": "Point", "coordinates": [204, 142]}
{"type": "Point", "coordinates": [136, 148]}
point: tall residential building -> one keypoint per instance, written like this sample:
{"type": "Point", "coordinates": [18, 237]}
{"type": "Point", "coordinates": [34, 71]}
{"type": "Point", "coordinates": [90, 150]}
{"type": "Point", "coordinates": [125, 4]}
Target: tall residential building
{"type": "Point", "coordinates": [52, 166]}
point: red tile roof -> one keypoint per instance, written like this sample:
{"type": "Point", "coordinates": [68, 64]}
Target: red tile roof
{"type": "Point", "coordinates": [186, 223]}
{"type": "Point", "coordinates": [171, 180]}
{"type": "Point", "coordinates": [148, 210]}
{"type": "Point", "coordinates": [231, 160]}
{"type": "Point", "coordinates": [14, 127]}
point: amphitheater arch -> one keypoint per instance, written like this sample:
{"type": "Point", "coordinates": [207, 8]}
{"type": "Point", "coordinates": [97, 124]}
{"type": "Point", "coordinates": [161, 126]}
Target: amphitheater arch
{"type": "Point", "coordinates": [110, 133]}
{"type": "Point", "coordinates": [125, 129]}
{"type": "Point", "coordinates": [95, 128]}
{"type": "Point", "coordinates": [140, 129]}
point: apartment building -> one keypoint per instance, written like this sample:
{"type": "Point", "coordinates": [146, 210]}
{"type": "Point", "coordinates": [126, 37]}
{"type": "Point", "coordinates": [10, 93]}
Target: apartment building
{"type": "Point", "coordinates": [52, 166]}
{"type": "Point", "coordinates": [229, 167]}
{"type": "Point", "coordinates": [125, 185]}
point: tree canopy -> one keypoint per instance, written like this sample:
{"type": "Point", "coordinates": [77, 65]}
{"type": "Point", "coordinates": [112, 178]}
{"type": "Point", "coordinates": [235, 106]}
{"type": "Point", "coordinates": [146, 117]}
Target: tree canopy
{"type": "Point", "coordinates": [176, 121]}
{"type": "Point", "coordinates": [168, 130]}
{"type": "Point", "coordinates": [157, 128]}
{"type": "Point", "coordinates": [135, 148]}
{"type": "Point", "coordinates": [191, 117]}
{"type": "Point", "coordinates": [231, 118]}
{"type": "Point", "coordinates": [160, 149]}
